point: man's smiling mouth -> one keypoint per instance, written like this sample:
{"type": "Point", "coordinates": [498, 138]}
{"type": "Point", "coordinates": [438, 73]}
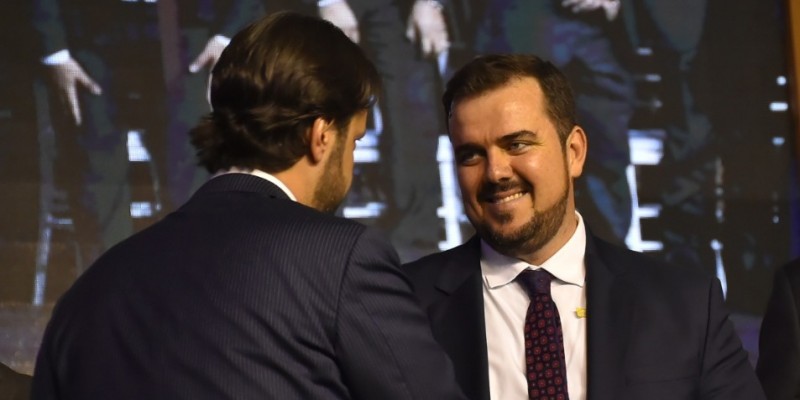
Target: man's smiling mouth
{"type": "Point", "coordinates": [505, 199]}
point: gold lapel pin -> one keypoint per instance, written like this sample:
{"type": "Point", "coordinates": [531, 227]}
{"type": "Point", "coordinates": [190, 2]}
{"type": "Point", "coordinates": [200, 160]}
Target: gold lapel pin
{"type": "Point", "coordinates": [580, 312]}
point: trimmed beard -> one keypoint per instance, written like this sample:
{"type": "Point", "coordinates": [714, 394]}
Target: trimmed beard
{"type": "Point", "coordinates": [534, 234]}
{"type": "Point", "coordinates": [331, 189]}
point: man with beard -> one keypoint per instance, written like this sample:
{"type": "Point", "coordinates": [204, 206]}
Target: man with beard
{"type": "Point", "coordinates": [536, 306]}
{"type": "Point", "coordinates": [252, 289]}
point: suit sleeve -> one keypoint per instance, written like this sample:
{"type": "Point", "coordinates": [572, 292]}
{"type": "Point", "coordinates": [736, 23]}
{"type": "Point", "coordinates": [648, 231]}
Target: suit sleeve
{"type": "Point", "coordinates": [385, 346]}
{"type": "Point", "coordinates": [778, 365]}
{"type": "Point", "coordinates": [727, 373]}
{"type": "Point", "coordinates": [48, 26]}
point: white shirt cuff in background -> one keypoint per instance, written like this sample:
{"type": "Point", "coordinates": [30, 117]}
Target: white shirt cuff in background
{"type": "Point", "coordinates": [223, 40]}
{"type": "Point", "coordinates": [57, 58]}
{"type": "Point", "coordinates": [325, 3]}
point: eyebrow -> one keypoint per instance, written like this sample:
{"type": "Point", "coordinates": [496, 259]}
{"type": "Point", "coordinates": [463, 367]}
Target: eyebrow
{"type": "Point", "coordinates": [465, 147]}
{"type": "Point", "coordinates": [523, 134]}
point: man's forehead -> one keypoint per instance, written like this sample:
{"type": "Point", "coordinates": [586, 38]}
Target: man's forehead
{"type": "Point", "coordinates": [521, 91]}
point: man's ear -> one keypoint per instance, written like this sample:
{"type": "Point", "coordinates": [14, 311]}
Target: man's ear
{"type": "Point", "coordinates": [321, 139]}
{"type": "Point", "coordinates": [576, 148]}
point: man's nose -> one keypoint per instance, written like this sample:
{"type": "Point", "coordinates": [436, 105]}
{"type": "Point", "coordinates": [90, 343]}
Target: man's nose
{"type": "Point", "coordinates": [498, 167]}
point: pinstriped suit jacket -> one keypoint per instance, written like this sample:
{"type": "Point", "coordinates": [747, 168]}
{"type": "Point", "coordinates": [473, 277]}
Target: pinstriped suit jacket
{"type": "Point", "coordinates": [243, 294]}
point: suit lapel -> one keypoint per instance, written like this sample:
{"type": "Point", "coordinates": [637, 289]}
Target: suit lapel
{"type": "Point", "coordinates": [609, 312]}
{"type": "Point", "coordinates": [457, 319]}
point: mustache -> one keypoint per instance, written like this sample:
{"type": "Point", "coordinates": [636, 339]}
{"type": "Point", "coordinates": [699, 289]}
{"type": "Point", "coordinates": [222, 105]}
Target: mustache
{"type": "Point", "coordinates": [489, 189]}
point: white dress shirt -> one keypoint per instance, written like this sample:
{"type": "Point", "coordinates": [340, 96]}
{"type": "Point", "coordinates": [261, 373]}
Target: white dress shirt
{"type": "Point", "coordinates": [505, 306]}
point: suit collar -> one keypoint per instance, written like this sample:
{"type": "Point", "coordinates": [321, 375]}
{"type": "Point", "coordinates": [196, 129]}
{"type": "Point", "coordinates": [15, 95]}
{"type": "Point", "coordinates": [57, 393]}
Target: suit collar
{"type": "Point", "coordinates": [241, 183]}
{"type": "Point", "coordinates": [463, 263]}
{"type": "Point", "coordinates": [261, 174]}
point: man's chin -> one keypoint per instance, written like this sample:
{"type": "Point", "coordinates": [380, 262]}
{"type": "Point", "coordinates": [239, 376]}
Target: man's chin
{"type": "Point", "coordinates": [505, 225]}
{"type": "Point", "coordinates": [502, 233]}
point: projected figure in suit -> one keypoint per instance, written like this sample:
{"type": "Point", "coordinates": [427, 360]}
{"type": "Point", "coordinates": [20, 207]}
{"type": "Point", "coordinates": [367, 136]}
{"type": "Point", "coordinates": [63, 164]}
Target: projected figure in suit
{"type": "Point", "coordinates": [577, 37]}
{"type": "Point", "coordinates": [411, 117]}
{"type": "Point", "coordinates": [19, 153]}
{"type": "Point", "coordinates": [757, 227]}
{"type": "Point", "coordinates": [104, 61]}
{"type": "Point", "coordinates": [684, 182]}
{"type": "Point", "coordinates": [631, 327]}
{"type": "Point", "coordinates": [778, 365]}
{"type": "Point", "coordinates": [203, 29]}
{"type": "Point", "coordinates": [252, 289]}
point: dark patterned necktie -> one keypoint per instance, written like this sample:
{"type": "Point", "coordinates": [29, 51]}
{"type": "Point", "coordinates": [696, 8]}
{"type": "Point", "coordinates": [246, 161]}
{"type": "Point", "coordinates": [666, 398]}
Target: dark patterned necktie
{"type": "Point", "coordinates": [546, 369]}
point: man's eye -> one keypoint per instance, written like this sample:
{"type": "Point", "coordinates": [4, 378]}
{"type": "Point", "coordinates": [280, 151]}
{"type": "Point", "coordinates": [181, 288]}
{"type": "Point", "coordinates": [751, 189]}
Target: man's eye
{"type": "Point", "coordinates": [467, 158]}
{"type": "Point", "coordinates": [517, 146]}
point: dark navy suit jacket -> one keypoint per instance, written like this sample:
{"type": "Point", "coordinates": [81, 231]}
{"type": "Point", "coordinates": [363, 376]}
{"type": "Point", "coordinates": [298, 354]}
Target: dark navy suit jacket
{"type": "Point", "coordinates": [243, 294]}
{"type": "Point", "coordinates": [654, 331]}
{"type": "Point", "coordinates": [779, 340]}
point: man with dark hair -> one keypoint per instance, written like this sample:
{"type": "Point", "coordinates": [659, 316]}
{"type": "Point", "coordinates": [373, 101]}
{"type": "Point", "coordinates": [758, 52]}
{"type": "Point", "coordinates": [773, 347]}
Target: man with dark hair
{"type": "Point", "coordinates": [578, 37]}
{"type": "Point", "coordinates": [250, 290]}
{"type": "Point", "coordinates": [535, 305]}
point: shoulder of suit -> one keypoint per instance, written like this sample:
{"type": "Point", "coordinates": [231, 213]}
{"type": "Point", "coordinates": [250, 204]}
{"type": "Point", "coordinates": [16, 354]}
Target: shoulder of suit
{"type": "Point", "coordinates": [427, 267]}
{"type": "Point", "coordinates": [438, 257]}
{"type": "Point", "coordinates": [648, 267]}
{"type": "Point", "coordinates": [323, 225]}
{"type": "Point", "coordinates": [340, 221]}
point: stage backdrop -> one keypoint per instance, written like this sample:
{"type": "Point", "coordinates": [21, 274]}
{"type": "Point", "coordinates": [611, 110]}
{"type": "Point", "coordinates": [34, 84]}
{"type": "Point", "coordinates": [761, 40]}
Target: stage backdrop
{"type": "Point", "coordinates": [687, 106]}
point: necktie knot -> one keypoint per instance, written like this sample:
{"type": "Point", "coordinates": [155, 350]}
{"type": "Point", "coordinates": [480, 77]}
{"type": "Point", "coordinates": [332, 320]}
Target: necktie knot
{"type": "Point", "coordinates": [536, 281]}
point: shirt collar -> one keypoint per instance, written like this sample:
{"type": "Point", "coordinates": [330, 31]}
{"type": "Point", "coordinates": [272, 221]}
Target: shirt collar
{"type": "Point", "coordinates": [259, 173]}
{"type": "Point", "coordinates": [567, 264]}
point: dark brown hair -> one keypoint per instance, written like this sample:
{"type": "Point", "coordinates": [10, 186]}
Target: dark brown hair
{"type": "Point", "coordinates": [272, 81]}
{"type": "Point", "coordinates": [489, 72]}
